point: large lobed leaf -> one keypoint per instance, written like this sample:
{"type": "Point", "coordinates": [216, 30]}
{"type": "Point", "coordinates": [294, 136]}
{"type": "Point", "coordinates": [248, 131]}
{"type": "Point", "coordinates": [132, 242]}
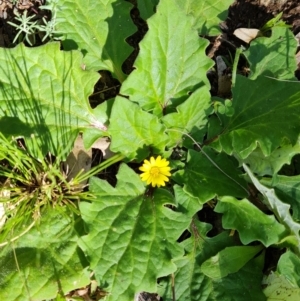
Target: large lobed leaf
{"type": "Point", "coordinates": [171, 63]}
{"type": "Point", "coordinates": [99, 29]}
{"type": "Point", "coordinates": [242, 281]}
{"type": "Point", "coordinates": [280, 209]}
{"type": "Point", "coordinates": [229, 261]}
{"type": "Point", "coordinates": [44, 92]}
{"type": "Point", "coordinates": [191, 117]}
{"type": "Point", "coordinates": [242, 285]}
{"type": "Point", "coordinates": [288, 190]}
{"type": "Point", "coordinates": [260, 116]}
{"type": "Point", "coordinates": [186, 203]}
{"type": "Point", "coordinates": [239, 215]}
{"type": "Point", "coordinates": [204, 179]}
{"type": "Point", "coordinates": [269, 165]}
{"type": "Point", "coordinates": [135, 132]}
{"type": "Point", "coordinates": [206, 15]}
{"type": "Point", "coordinates": [44, 262]}
{"type": "Point", "coordinates": [132, 235]}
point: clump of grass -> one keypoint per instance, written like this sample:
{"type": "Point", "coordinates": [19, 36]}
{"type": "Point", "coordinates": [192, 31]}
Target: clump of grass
{"type": "Point", "coordinates": [29, 186]}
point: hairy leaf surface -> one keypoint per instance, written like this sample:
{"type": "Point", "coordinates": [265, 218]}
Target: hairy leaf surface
{"type": "Point", "coordinates": [44, 261]}
{"type": "Point", "coordinates": [132, 236]}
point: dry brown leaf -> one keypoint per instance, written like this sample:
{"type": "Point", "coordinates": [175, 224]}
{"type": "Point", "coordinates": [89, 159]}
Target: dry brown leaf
{"type": "Point", "coordinates": [246, 34]}
{"type": "Point", "coordinates": [79, 159]}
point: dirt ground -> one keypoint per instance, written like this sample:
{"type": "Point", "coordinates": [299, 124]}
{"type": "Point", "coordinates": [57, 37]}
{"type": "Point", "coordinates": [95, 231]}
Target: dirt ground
{"type": "Point", "coordinates": [255, 13]}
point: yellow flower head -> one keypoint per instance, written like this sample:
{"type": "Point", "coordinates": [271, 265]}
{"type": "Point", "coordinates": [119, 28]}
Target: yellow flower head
{"type": "Point", "coordinates": [156, 171]}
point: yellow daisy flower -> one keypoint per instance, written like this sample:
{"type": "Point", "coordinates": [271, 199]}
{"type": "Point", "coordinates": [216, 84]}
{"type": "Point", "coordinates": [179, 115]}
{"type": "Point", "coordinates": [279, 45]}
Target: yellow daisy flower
{"type": "Point", "coordinates": [156, 171]}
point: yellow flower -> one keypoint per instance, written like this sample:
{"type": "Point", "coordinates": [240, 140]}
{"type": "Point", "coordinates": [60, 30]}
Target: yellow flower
{"type": "Point", "coordinates": [155, 172]}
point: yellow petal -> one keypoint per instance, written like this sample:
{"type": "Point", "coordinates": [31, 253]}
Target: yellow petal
{"type": "Point", "coordinates": [165, 170]}
{"type": "Point", "coordinates": [155, 178]}
{"type": "Point", "coordinates": [144, 168]}
{"type": "Point", "coordinates": [164, 178]}
{"type": "Point", "coordinates": [164, 162]}
{"type": "Point", "coordinates": [144, 176]}
{"type": "Point", "coordinates": [160, 183]}
{"type": "Point", "coordinates": [146, 163]}
{"type": "Point", "coordinates": [149, 181]}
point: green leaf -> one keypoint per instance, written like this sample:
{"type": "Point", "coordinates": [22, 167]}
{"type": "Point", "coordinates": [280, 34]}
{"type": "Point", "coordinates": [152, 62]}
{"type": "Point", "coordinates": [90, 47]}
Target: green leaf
{"type": "Point", "coordinates": [146, 8]}
{"type": "Point", "coordinates": [275, 22]}
{"type": "Point", "coordinates": [289, 267]}
{"type": "Point", "coordinates": [171, 62]}
{"type": "Point", "coordinates": [273, 56]}
{"type": "Point", "coordinates": [191, 116]}
{"type": "Point", "coordinates": [270, 165]}
{"type": "Point", "coordinates": [243, 285]}
{"type": "Point", "coordinates": [192, 284]}
{"type": "Point", "coordinates": [186, 204]}
{"type": "Point", "coordinates": [279, 288]}
{"type": "Point", "coordinates": [135, 131]}
{"type": "Point", "coordinates": [281, 210]}
{"type": "Point", "coordinates": [44, 92]}
{"type": "Point", "coordinates": [287, 188]}
{"type": "Point", "coordinates": [207, 14]}
{"type": "Point", "coordinates": [238, 215]}
{"type": "Point", "coordinates": [131, 237]}
{"type": "Point", "coordinates": [203, 178]}
{"type": "Point", "coordinates": [228, 261]}
{"type": "Point", "coordinates": [48, 260]}
{"type": "Point", "coordinates": [214, 128]}
{"type": "Point", "coordinates": [98, 29]}
{"type": "Point", "coordinates": [260, 116]}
